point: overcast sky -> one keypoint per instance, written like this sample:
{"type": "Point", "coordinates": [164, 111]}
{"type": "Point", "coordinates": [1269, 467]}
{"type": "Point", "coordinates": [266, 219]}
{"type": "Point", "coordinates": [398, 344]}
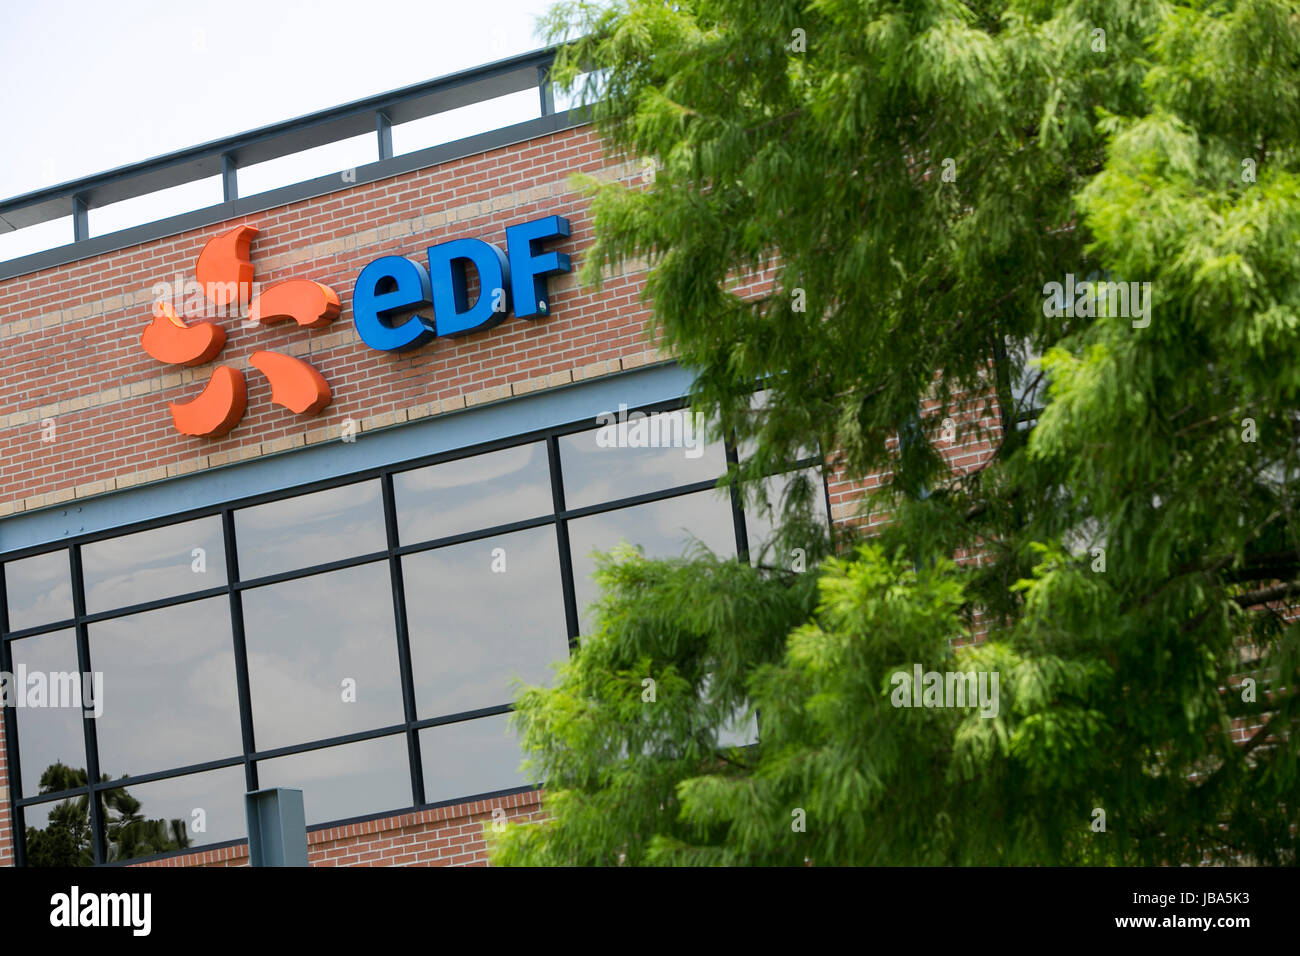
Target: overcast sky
{"type": "Point", "coordinates": [87, 86]}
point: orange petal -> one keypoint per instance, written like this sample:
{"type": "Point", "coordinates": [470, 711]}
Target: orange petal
{"type": "Point", "coordinates": [294, 384]}
{"type": "Point", "coordinates": [217, 409]}
{"type": "Point", "coordinates": [168, 339]}
{"type": "Point", "coordinates": [310, 304]}
{"type": "Point", "coordinates": [225, 268]}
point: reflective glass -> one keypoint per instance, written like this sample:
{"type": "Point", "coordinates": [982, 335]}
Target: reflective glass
{"type": "Point", "coordinates": [174, 814]}
{"type": "Point", "coordinates": [48, 735]}
{"type": "Point", "coordinates": [58, 833]}
{"type": "Point", "coordinates": [170, 697]}
{"type": "Point", "coordinates": [39, 590]}
{"type": "Point", "coordinates": [322, 656]}
{"type": "Point", "coordinates": [640, 455]}
{"type": "Point", "coordinates": [310, 529]}
{"type": "Point", "coordinates": [149, 565]}
{"type": "Point", "coordinates": [480, 614]}
{"type": "Point", "coordinates": [747, 447]}
{"type": "Point", "coordinates": [351, 780]}
{"type": "Point", "coordinates": [468, 494]}
{"type": "Point", "coordinates": [664, 529]}
{"type": "Point", "coordinates": [470, 757]}
{"type": "Point", "coordinates": [760, 523]}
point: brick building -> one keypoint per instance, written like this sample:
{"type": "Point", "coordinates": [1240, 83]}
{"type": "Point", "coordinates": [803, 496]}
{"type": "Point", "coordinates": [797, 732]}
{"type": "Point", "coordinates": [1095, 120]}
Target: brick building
{"type": "Point", "coordinates": [335, 600]}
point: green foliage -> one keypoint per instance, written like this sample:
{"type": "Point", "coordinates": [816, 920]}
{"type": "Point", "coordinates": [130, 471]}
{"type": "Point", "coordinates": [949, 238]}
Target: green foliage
{"type": "Point", "coordinates": [615, 757]}
{"type": "Point", "coordinates": [1136, 546]}
{"type": "Point", "coordinates": [66, 839]}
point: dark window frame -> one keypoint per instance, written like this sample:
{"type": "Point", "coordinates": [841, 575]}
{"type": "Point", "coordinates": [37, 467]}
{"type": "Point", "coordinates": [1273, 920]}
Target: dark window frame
{"type": "Point", "coordinates": [558, 517]}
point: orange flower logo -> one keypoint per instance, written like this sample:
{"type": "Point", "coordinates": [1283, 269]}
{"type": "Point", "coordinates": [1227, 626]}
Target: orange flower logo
{"type": "Point", "coordinates": [225, 272]}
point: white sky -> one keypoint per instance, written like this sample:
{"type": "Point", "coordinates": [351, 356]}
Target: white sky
{"type": "Point", "coordinates": [87, 86]}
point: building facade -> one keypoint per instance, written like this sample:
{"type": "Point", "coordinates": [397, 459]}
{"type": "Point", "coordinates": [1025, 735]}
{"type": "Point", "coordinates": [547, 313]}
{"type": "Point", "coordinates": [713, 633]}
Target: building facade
{"type": "Point", "coordinates": [334, 598]}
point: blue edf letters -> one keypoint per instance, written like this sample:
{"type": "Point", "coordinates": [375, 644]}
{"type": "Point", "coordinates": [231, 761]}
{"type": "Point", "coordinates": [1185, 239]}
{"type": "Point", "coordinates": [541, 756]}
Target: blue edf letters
{"type": "Point", "coordinates": [528, 272]}
{"type": "Point", "coordinates": [451, 314]}
{"type": "Point", "coordinates": [390, 291]}
{"type": "Point", "coordinates": [391, 285]}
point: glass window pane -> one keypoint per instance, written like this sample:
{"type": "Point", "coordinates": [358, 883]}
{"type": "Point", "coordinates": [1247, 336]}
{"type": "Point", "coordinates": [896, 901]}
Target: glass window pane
{"type": "Point", "coordinates": [39, 590]}
{"type": "Point", "coordinates": [174, 814]}
{"type": "Point", "coordinates": [170, 697]}
{"type": "Point", "coordinates": [480, 614]}
{"type": "Point", "coordinates": [740, 731]}
{"type": "Point", "coordinates": [663, 528]}
{"type": "Point", "coordinates": [47, 735]}
{"type": "Point", "coordinates": [310, 529]}
{"type": "Point", "coordinates": [58, 833]}
{"type": "Point", "coordinates": [149, 565]}
{"type": "Point", "coordinates": [642, 454]}
{"type": "Point", "coordinates": [749, 446]}
{"type": "Point", "coordinates": [760, 524]}
{"type": "Point", "coordinates": [470, 757]}
{"type": "Point", "coordinates": [322, 656]}
{"type": "Point", "coordinates": [351, 780]}
{"type": "Point", "coordinates": [513, 484]}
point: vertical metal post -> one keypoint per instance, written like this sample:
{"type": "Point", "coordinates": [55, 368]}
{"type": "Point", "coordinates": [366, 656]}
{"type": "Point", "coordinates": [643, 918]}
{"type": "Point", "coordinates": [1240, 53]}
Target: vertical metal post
{"type": "Point", "coordinates": [80, 220]}
{"type": "Point", "coordinates": [384, 130]}
{"type": "Point", "coordinates": [229, 178]}
{"type": "Point", "coordinates": [545, 90]}
{"type": "Point", "coordinates": [277, 827]}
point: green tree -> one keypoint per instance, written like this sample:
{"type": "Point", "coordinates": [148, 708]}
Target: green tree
{"type": "Point", "coordinates": [67, 839]}
{"type": "Point", "coordinates": [905, 180]}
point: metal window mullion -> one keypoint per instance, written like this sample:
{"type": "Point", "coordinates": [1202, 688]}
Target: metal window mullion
{"type": "Point", "coordinates": [738, 508]}
{"type": "Point", "coordinates": [80, 219]}
{"type": "Point", "coordinates": [12, 756]}
{"type": "Point", "coordinates": [567, 586]}
{"type": "Point", "coordinates": [38, 631]}
{"type": "Point", "coordinates": [384, 134]}
{"type": "Point", "coordinates": [240, 647]}
{"type": "Point", "coordinates": [826, 491]}
{"type": "Point", "coordinates": [229, 178]}
{"type": "Point", "coordinates": [325, 743]}
{"type": "Point", "coordinates": [97, 821]}
{"type": "Point", "coordinates": [465, 715]}
{"type": "Point", "coordinates": [645, 498]}
{"type": "Point", "coordinates": [136, 780]}
{"type": "Point", "coordinates": [405, 669]}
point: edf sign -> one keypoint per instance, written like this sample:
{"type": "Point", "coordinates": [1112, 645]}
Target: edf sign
{"type": "Point", "coordinates": [390, 291]}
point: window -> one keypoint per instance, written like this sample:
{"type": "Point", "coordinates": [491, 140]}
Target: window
{"type": "Point", "coordinates": [322, 656]}
{"type": "Point", "coordinates": [169, 679]}
{"type": "Point", "coordinates": [663, 529]}
{"type": "Point", "coordinates": [359, 639]}
{"type": "Point", "coordinates": [40, 590]}
{"type": "Point", "coordinates": [484, 613]}
{"type": "Point", "coordinates": [50, 735]}
{"type": "Point", "coordinates": [149, 565]}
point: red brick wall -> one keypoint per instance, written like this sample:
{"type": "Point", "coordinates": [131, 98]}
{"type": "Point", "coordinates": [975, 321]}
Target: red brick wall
{"type": "Point", "coordinates": [71, 333]}
{"type": "Point", "coordinates": [71, 338]}
{"type": "Point", "coordinates": [447, 836]}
